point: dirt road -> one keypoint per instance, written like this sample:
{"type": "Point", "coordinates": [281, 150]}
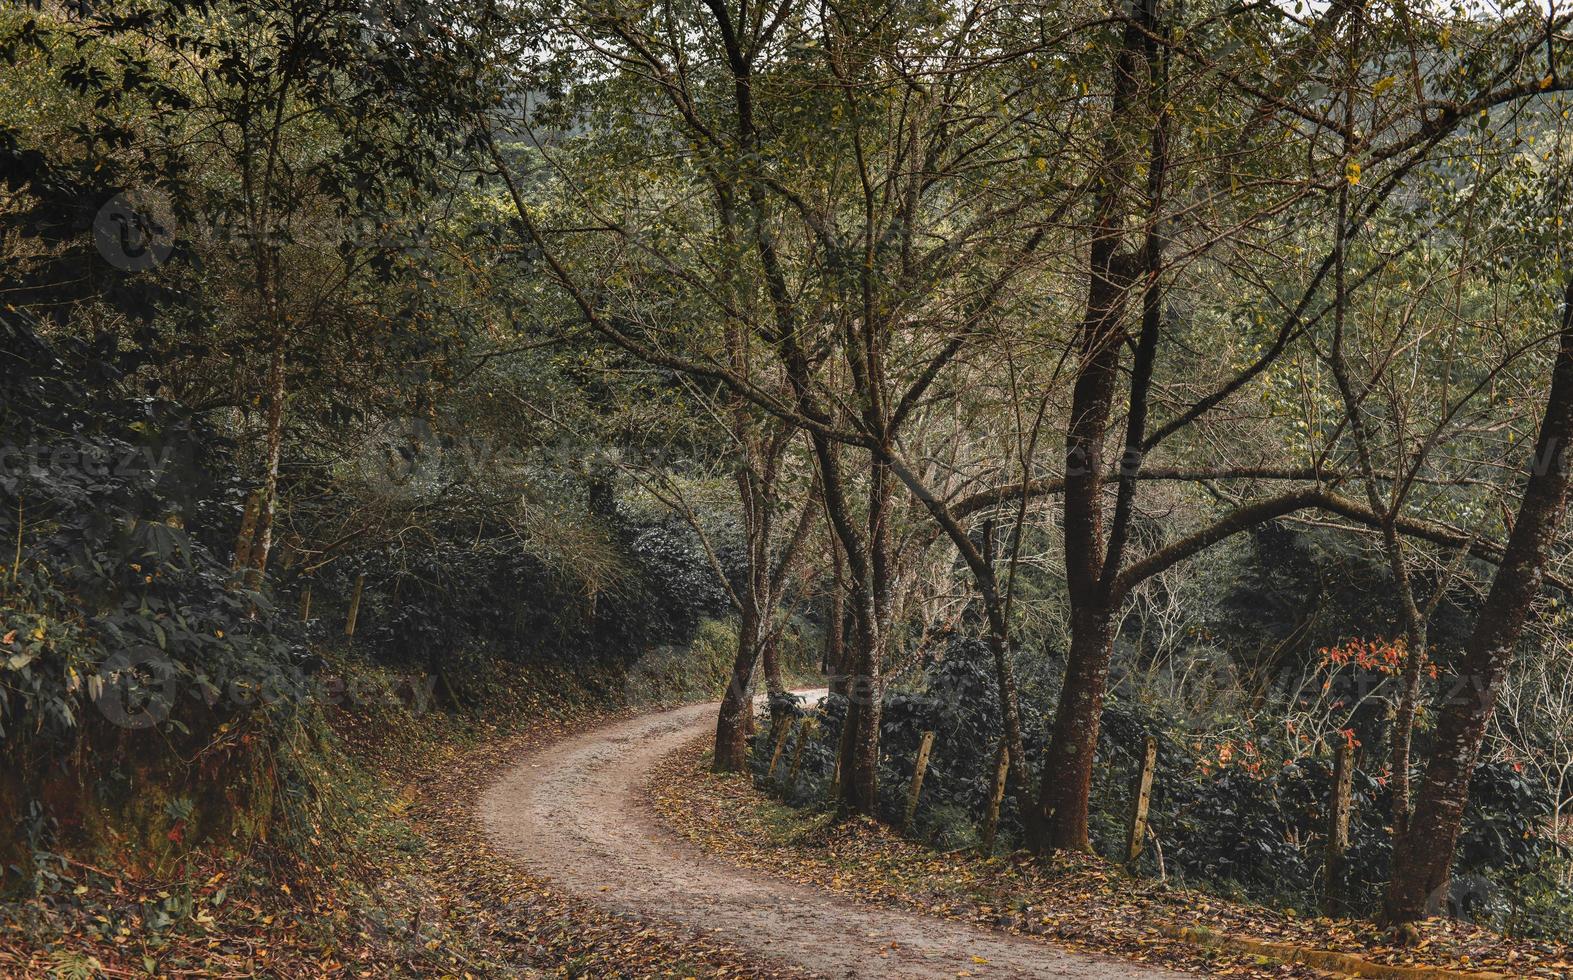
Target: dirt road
{"type": "Point", "coordinates": [572, 813]}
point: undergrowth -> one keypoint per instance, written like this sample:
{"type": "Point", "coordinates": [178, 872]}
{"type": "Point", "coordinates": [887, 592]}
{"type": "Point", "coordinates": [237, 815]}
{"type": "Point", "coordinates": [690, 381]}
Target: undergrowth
{"type": "Point", "coordinates": [324, 894]}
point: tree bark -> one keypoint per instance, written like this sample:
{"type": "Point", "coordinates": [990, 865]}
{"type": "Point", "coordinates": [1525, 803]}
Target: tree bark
{"type": "Point", "coordinates": [860, 746]}
{"type": "Point", "coordinates": [833, 659]}
{"type": "Point", "coordinates": [1061, 816]}
{"type": "Point", "coordinates": [756, 479]}
{"type": "Point", "coordinates": [770, 655]}
{"type": "Point", "coordinates": [1005, 682]}
{"type": "Point", "coordinates": [1060, 819]}
{"type": "Point", "coordinates": [731, 733]}
{"type": "Point", "coordinates": [865, 688]}
{"type": "Point", "coordinates": [267, 510]}
{"type": "Point", "coordinates": [247, 533]}
{"type": "Point", "coordinates": [1415, 658]}
{"type": "Point", "coordinates": [768, 568]}
{"type": "Point", "coordinates": [1423, 856]}
{"type": "Point", "coordinates": [1404, 725]}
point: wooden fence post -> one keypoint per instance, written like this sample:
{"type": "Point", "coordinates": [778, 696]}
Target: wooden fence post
{"type": "Point", "coordinates": [1141, 796]}
{"type": "Point", "coordinates": [1338, 823]}
{"type": "Point", "coordinates": [991, 824]}
{"type": "Point", "coordinates": [775, 757]}
{"type": "Point", "coordinates": [305, 604]}
{"type": "Point", "coordinates": [918, 769]}
{"type": "Point", "coordinates": [349, 624]}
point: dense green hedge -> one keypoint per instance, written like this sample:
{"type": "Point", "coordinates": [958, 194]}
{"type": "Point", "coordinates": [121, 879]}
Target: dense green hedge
{"type": "Point", "coordinates": [137, 686]}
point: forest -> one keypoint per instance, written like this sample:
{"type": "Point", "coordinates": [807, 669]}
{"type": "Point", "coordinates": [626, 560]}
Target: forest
{"type": "Point", "coordinates": [777, 488]}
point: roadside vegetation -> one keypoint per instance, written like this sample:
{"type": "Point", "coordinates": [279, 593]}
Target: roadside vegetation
{"type": "Point", "coordinates": [1074, 901]}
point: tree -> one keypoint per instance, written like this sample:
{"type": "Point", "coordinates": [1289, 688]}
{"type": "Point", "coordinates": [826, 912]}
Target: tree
{"type": "Point", "coordinates": [863, 334]}
{"type": "Point", "coordinates": [867, 288]}
{"type": "Point", "coordinates": [294, 142]}
{"type": "Point", "coordinates": [1097, 570]}
{"type": "Point", "coordinates": [1423, 854]}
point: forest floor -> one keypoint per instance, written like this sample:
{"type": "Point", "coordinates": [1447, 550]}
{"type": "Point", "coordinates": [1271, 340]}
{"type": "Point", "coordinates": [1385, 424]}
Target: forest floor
{"type": "Point", "coordinates": [423, 895]}
{"type": "Point", "coordinates": [576, 813]}
{"type": "Point", "coordinates": [585, 842]}
{"type": "Point", "coordinates": [1075, 903]}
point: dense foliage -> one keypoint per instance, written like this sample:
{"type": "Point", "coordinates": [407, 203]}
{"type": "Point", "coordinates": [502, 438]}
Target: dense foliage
{"type": "Point", "coordinates": [122, 621]}
{"type": "Point", "coordinates": [1241, 793]}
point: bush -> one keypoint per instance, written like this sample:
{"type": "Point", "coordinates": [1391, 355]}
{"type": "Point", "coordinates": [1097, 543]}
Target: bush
{"type": "Point", "coordinates": [141, 693]}
{"type": "Point", "coordinates": [437, 607]}
{"type": "Point", "coordinates": [671, 672]}
{"type": "Point", "coordinates": [957, 699]}
{"type": "Point", "coordinates": [1230, 814]}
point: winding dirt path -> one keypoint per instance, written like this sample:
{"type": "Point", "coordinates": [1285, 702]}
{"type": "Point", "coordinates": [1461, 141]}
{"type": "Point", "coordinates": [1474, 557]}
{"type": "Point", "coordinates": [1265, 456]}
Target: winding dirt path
{"type": "Point", "coordinates": [572, 812]}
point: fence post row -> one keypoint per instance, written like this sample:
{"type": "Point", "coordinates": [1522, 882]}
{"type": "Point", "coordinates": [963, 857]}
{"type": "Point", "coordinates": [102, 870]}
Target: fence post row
{"type": "Point", "coordinates": [775, 757]}
{"type": "Point", "coordinates": [349, 624]}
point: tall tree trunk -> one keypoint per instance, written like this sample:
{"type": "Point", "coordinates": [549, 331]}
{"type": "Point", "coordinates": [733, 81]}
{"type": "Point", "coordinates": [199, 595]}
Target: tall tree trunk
{"type": "Point", "coordinates": [1404, 726]}
{"type": "Point", "coordinates": [734, 721]}
{"type": "Point", "coordinates": [835, 617]}
{"type": "Point", "coordinates": [865, 689]}
{"type": "Point", "coordinates": [1415, 628]}
{"type": "Point", "coordinates": [755, 477]}
{"type": "Point", "coordinates": [771, 655]}
{"type": "Point", "coordinates": [267, 509]}
{"type": "Point", "coordinates": [1062, 808]}
{"type": "Point", "coordinates": [860, 744]}
{"type": "Point", "coordinates": [832, 660]}
{"type": "Point", "coordinates": [846, 659]}
{"type": "Point", "coordinates": [774, 686]}
{"type": "Point", "coordinates": [1004, 671]}
{"type": "Point", "coordinates": [1005, 683]}
{"type": "Point", "coordinates": [247, 535]}
{"type": "Point", "coordinates": [731, 732]}
{"type": "Point", "coordinates": [1061, 818]}
{"type": "Point", "coordinates": [1416, 656]}
{"type": "Point", "coordinates": [1423, 856]}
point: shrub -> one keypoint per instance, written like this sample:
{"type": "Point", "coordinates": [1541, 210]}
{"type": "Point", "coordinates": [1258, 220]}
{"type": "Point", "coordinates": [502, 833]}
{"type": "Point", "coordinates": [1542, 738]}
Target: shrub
{"type": "Point", "coordinates": [1239, 813]}
{"type": "Point", "coordinates": [141, 694]}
